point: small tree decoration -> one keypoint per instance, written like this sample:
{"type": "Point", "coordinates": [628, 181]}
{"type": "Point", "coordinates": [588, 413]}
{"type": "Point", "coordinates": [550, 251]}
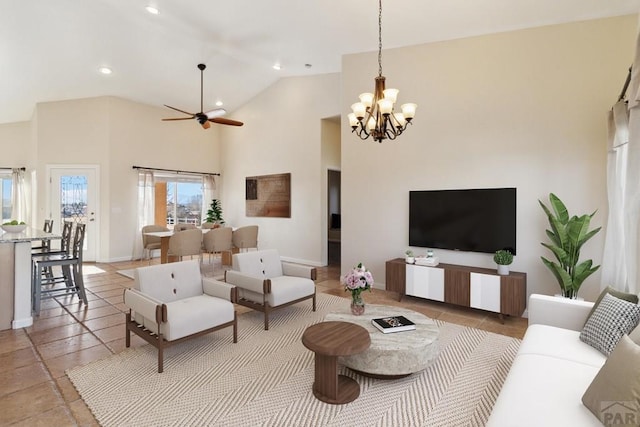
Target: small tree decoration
{"type": "Point", "coordinates": [214, 214]}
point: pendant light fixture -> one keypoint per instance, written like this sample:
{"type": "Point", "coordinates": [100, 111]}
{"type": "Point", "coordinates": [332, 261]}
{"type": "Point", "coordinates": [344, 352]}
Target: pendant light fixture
{"type": "Point", "coordinates": [373, 115]}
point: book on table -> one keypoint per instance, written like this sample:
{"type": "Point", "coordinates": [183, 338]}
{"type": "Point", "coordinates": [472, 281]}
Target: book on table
{"type": "Point", "coordinates": [390, 324]}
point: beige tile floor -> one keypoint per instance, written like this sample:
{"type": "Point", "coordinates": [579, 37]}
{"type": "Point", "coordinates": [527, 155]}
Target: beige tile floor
{"type": "Point", "coordinates": [34, 389]}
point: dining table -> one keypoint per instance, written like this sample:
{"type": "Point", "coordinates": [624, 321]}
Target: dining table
{"type": "Point", "coordinates": [15, 276]}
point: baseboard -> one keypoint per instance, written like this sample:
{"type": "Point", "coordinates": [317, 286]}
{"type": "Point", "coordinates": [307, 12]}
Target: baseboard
{"type": "Point", "coordinates": [303, 261]}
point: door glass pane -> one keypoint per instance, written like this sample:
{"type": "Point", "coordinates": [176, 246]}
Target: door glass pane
{"type": "Point", "coordinates": [73, 198]}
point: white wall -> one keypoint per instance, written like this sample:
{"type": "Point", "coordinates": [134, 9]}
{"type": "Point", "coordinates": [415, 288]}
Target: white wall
{"type": "Point", "coordinates": [15, 144]}
{"type": "Point", "coordinates": [282, 134]}
{"type": "Point", "coordinates": [523, 109]}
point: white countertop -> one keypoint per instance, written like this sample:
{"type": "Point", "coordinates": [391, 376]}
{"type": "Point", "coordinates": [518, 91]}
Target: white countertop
{"type": "Point", "coordinates": [28, 235]}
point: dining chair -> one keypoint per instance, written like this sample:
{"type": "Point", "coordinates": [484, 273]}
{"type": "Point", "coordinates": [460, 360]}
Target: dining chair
{"type": "Point", "coordinates": [245, 237]}
{"type": "Point", "coordinates": [186, 243]}
{"type": "Point", "coordinates": [217, 240]}
{"type": "Point", "coordinates": [151, 243]}
{"type": "Point", "coordinates": [182, 227]}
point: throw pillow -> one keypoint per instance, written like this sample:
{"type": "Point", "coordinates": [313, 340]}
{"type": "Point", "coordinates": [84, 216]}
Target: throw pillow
{"type": "Point", "coordinates": [612, 319]}
{"type": "Point", "coordinates": [618, 294]}
{"type": "Point", "coordinates": [612, 395]}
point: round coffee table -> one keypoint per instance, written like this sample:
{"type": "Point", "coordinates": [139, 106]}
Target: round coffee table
{"type": "Point", "coordinates": [391, 355]}
{"type": "Point", "coordinates": [328, 340]}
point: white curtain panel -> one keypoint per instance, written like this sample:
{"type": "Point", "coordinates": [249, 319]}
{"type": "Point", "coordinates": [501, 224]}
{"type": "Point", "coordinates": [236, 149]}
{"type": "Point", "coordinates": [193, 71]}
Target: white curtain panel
{"type": "Point", "coordinates": [614, 268]}
{"type": "Point", "coordinates": [208, 193]}
{"type": "Point", "coordinates": [146, 209]}
{"type": "Point", "coordinates": [19, 201]}
{"type": "Point", "coordinates": [631, 209]}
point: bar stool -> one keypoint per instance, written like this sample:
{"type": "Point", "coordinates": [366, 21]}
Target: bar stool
{"type": "Point", "coordinates": [71, 264]}
{"type": "Point", "coordinates": [45, 250]}
{"type": "Point", "coordinates": [45, 244]}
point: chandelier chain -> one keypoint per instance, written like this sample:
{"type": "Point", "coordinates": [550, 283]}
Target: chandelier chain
{"type": "Point", "coordinates": [380, 38]}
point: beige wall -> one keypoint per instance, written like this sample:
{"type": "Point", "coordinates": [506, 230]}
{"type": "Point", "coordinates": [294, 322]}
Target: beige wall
{"type": "Point", "coordinates": [521, 109]}
{"type": "Point", "coordinates": [114, 134]}
{"type": "Point", "coordinates": [282, 134]}
{"type": "Point", "coordinates": [15, 142]}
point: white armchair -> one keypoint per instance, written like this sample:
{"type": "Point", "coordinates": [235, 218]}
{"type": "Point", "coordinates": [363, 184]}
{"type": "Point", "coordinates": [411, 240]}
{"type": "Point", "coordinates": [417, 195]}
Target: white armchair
{"type": "Point", "coordinates": [172, 302]}
{"type": "Point", "coordinates": [265, 283]}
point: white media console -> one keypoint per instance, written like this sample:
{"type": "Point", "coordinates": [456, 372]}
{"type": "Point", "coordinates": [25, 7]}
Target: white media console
{"type": "Point", "coordinates": [475, 287]}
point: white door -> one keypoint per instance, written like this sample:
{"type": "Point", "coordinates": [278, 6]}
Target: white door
{"type": "Point", "coordinates": [73, 196]}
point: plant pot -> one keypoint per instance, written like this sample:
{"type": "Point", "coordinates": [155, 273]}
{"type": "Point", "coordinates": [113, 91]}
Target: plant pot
{"type": "Point", "coordinates": [503, 270]}
{"type": "Point", "coordinates": [409, 260]}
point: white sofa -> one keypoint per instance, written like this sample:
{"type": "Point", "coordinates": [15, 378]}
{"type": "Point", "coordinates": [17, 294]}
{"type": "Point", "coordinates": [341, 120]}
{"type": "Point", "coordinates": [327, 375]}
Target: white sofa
{"type": "Point", "coordinates": [551, 370]}
{"type": "Point", "coordinates": [173, 302]}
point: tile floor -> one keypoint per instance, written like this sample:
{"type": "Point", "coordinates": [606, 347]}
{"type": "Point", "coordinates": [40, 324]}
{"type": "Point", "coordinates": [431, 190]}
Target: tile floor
{"type": "Point", "coordinates": [34, 389]}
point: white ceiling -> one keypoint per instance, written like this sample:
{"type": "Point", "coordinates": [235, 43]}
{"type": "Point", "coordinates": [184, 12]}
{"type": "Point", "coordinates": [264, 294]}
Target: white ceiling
{"type": "Point", "coordinates": [51, 49]}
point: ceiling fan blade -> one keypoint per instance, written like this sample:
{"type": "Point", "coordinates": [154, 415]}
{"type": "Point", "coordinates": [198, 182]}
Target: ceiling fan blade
{"type": "Point", "coordinates": [224, 121]}
{"type": "Point", "coordinates": [181, 111]}
{"type": "Point", "coordinates": [217, 112]}
{"type": "Point", "coordinates": [206, 125]}
{"type": "Point", "coordinates": [177, 118]}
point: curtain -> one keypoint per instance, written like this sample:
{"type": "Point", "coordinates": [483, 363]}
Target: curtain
{"type": "Point", "coordinates": [146, 209]}
{"type": "Point", "coordinates": [19, 206]}
{"type": "Point", "coordinates": [614, 268]}
{"type": "Point", "coordinates": [208, 193]}
{"type": "Point", "coordinates": [630, 190]}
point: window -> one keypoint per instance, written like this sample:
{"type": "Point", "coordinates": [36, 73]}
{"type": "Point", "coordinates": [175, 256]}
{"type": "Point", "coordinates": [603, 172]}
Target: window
{"type": "Point", "coordinates": [183, 197]}
{"type": "Point", "coordinates": [5, 196]}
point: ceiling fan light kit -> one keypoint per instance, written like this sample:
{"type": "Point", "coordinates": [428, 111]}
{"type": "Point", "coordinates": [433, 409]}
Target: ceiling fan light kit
{"type": "Point", "coordinates": [205, 118]}
{"type": "Point", "coordinates": [373, 115]}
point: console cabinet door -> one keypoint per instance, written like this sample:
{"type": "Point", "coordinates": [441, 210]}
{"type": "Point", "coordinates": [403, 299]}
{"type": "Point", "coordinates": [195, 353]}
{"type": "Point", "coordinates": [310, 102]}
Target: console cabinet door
{"type": "Point", "coordinates": [425, 282]}
{"type": "Point", "coordinates": [485, 292]}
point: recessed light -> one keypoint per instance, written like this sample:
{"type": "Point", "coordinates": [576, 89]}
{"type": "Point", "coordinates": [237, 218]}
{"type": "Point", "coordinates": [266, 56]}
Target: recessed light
{"type": "Point", "coordinates": [152, 10]}
{"type": "Point", "coordinates": [219, 103]}
{"type": "Point", "coordinates": [105, 70]}
{"type": "Point", "coordinates": [308, 65]}
{"type": "Point", "coordinates": [277, 66]}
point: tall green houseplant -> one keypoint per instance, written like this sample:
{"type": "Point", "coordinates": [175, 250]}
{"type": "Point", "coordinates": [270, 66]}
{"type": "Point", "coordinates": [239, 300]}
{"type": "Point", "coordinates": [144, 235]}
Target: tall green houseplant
{"type": "Point", "coordinates": [567, 235]}
{"type": "Point", "coordinates": [214, 214]}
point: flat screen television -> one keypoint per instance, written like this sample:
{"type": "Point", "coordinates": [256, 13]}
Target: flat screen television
{"type": "Point", "coordinates": [474, 220]}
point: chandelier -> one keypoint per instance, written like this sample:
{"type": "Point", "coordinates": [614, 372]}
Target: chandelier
{"type": "Point", "coordinates": [374, 115]}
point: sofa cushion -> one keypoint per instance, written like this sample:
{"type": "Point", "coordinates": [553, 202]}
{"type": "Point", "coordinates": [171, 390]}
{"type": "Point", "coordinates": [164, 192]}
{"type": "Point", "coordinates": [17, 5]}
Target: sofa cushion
{"type": "Point", "coordinates": [190, 315]}
{"type": "Point", "coordinates": [618, 294]}
{"type": "Point", "coordinates": [611, 319]}
{"type": "Point", "coordinates": [544, 391]}
{"type": "Point", "coordinates": [613, 393]}
{"type": "Point", "coordinates": [559, 343]}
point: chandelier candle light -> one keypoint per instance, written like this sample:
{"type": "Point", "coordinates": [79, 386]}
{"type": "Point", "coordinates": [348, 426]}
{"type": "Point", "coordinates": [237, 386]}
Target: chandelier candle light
{"type": "Point", "coordinates": [357, 280]}
{"type": "Point", "coordinates": [373, 115]}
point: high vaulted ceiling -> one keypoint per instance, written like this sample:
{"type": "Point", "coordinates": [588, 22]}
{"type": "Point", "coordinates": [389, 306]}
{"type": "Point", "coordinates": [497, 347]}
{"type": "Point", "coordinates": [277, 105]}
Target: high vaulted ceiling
{"type": "Point", "coordinates": [51, 49]}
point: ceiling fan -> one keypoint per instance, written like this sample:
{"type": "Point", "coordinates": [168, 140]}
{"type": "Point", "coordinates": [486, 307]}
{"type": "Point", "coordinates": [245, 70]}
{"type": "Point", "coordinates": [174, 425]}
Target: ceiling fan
{"type": "Point", "coordinates": [204, 118]}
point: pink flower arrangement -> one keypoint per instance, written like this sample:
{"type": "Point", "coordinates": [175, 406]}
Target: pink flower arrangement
{"type": "Point", "coordinates": [357, 280]}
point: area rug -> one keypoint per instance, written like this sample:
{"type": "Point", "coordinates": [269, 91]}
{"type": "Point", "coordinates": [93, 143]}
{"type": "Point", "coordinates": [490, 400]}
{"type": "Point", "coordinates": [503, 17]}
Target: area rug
{"type": "Point", "coordinates": [266, 378]}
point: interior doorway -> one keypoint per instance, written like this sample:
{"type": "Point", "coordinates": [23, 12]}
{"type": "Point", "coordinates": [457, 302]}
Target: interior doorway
{"type": "Point", "coordinates": [334, 217]}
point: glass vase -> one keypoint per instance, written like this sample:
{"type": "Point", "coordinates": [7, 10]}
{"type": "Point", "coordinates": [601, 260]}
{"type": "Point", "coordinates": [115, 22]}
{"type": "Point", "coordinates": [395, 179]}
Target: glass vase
{"type": "Point", "coordinates": [357, 304]}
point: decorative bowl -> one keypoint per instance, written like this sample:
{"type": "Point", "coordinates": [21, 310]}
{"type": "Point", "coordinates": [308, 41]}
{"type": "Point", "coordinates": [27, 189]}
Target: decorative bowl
{"type": "Point", "coordinates": [14, 228]}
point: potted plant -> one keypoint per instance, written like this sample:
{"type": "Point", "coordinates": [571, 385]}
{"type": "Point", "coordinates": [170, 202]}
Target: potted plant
{"type": "Point", "coordinates": [567, 235]}
{"type": "Point", "coordinates": [503, 258]}
{"type": "Point", "coordinates": [214, 214]}
{"type": "Point", "coordinates": [409, 258]}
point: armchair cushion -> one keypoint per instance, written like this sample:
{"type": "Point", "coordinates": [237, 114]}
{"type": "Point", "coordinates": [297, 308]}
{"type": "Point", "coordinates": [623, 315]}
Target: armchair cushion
{"type": "Point", "coordinates": [194, 314]}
